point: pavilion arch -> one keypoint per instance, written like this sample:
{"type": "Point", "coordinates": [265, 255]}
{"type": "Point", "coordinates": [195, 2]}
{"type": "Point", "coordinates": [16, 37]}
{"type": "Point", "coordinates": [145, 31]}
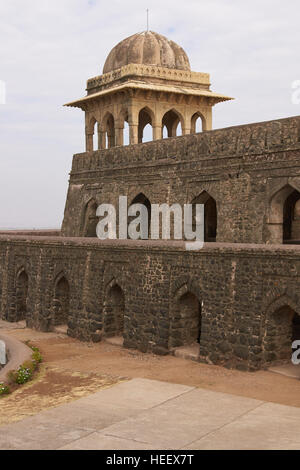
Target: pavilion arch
{"type": "Point", "coordinates": [194, 121]}
{"type": "Point", "coordinates": [89, 219]}
{"type": "Point", "coordinates": [61, 301]}
{"type": "Point", "coordinates": [283, 221]}
{"type": "Point", "coordinates": [108, 136]}
{"type": "Point", "coordinates": [22, 282]}
{"type": "Point", "coordinates": [91, 135]}
{"type": "Point", "coordinates": [146, 118]}
{"type": "Point", "coordinates": [185, 317]}
{"type": "Point", "coordinates": [123, 124]}
{"type": "Point", "coordinates": [171, 119]}
{"type": "Point", "coordinates": [113, 310]}
{"type": "Point", "coordinates": [281, 328]}
{"type": "Point", "coordinates": [210, 215]}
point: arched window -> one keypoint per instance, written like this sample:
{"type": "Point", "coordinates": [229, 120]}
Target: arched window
{"type": "Point", "coordinates": [210, 215]}
{"type": "Point", "coordinates": [171, 121]}
{"type": "Point", "coordinates": [61, 302]}
{"type": "Point", "coordinates": [283, 221]}
{"type": "Point", "coordinates": [21, 295]}
{"type": "Point", "coordinates": [90, 220]}
{"type": "Point", "coordinates": [291, 218]}
{"type": "Point", "coordinates": [113, 312]}
{"type": "Point", "coordinates": [198, 123]}
{"type": "Point", "coordinates": [142, 199]}
{"type": "Point", "coordinates": [282, 328]}
{"type": "Point", "coordinates": [186, 320]}
{"type": "Point", "coordinates": [145, 130]}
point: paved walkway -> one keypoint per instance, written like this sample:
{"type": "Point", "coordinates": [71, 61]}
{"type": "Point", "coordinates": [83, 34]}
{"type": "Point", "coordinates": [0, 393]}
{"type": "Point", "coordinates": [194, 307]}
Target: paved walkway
{"type": "Point", "coordinates": [148, 414]}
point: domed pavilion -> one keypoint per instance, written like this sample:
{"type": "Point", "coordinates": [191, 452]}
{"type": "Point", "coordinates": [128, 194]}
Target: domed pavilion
{"type": "Point", "coordinates": [147, 79]}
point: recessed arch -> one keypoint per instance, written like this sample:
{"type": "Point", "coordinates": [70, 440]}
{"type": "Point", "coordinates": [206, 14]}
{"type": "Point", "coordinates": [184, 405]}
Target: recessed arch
{"type": "Point", "coordinates": [61, 301]}
{"type": "Point", "coordinates": [22, 282]}
{"type": "Point", "coordinates": [186, 318]}
{"type": "Point", "coordinates": [142, 199]}
{"type": "Point", "coordinates": [113, 310]}
{"type": "Point", "coordinates": [281, 328]}
{"type": "Point", "coordinates": [89, 219]}
{"type": "Point", "coordinates": [210, 215]}
{"type": "Point", "coordinates": [284, 216]}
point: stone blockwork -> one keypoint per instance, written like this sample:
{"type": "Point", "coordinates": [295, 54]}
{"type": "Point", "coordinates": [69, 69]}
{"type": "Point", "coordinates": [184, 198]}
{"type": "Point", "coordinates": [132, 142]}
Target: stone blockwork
{"type": "Point", "coordinates": [238, 289]}
{"type": "Point", "coordinates": [244, 169]}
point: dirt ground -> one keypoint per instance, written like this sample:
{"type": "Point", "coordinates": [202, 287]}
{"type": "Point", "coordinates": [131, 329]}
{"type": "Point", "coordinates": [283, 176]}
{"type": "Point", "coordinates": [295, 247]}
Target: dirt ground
{"type": "Point", "coordinates": [73, 369]}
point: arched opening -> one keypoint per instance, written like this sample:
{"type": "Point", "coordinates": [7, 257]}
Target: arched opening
{"type": "Point", "coordinates": [126, 136]}
{"type": "Point", "coordinates": [21, 296]}
{"type": "Point", "coordinates": [95, 137]}
{"type": "Point", "coordinates": [61, 302]}
{"type": "Point", "coordinates": [145, 130]}
{"type": "Point", "coordinates": [109, 130]}
{"type": "Point", "coordinates": [90, 220]}
{"type": "Point", "coordinates": [284, 216]}
{"type": "Point", "coordinates": [114, 311]}
{"type": "Point", "coordinates": [142, 199]}
{"type": "Point", "coordinates": [173, 123]}
{"type": "Point", "coordinates": [91, 135]}
{"type": "Point", "coordinates": [165, 132]}
{"type": "Point", "coordinates": [282, 328]}
{"type": "Point", "coordinates": [291, 218]}
{"type": "Point", "coordinates": [186, 321]}
{"type": "Point", "coordinates": [210, 215]}
{"type": "Point", "coordinates": [198, 123]}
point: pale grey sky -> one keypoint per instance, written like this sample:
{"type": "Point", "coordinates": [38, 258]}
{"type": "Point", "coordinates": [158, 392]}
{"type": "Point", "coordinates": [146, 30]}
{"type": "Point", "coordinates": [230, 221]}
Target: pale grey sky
{"type": "Point", "coordinates": [49, 48]}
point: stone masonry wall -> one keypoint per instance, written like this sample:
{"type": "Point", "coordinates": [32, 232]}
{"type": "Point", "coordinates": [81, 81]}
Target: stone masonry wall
{"type": "Point", "coordinates": [240, 167]}
{"type": "Point", "coordinates": [238, 287]}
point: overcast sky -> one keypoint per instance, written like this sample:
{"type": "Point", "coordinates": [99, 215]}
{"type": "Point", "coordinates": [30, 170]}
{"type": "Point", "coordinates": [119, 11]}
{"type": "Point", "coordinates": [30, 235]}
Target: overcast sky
{"type": "Point", "coordinates": [49, 48]}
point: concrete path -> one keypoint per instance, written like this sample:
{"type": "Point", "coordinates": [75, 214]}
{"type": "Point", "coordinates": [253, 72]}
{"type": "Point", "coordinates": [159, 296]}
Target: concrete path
{"type": "Point", "coordinates": [148, 414]}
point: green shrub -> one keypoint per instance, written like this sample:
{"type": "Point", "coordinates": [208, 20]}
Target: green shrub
{"type": "Point", "coordinates": [4, 389]}
{"type": "Point", "coordinates": [23, 375]}
{"type": "Point", "coordinates": [36, 356]}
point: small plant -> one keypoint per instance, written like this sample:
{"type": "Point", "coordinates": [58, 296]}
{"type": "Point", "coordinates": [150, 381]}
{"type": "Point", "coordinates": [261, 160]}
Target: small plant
{"type": "Point", "coordinates": [27, 369]}
{"type": "Point", "coordinates": [36, 356]}
{"type": "Point", "coordinates": [23, 375]}
{"type": "Point", "coordinates": [4, 389]}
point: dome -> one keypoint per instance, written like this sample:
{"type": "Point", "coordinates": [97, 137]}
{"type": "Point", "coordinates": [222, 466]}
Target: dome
{"type": "Point", "coordinates": [147, 48]}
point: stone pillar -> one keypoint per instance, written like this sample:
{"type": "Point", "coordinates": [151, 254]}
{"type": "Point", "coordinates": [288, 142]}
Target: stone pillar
{"type": "Point", "coordinates": [157, 132]}
{"type": "Point", "coordinates": [101, 139]}
{"type": "Point", "coordinates": [89, 142]}
{"type": "Point", "coordinates": [207, 121]}
{"type": "Point", "coordinates": [133, 133]}
{"type": "Point", "coordinates": [119, 136]}
{"type": "Point", "coordinates": [186, 130]}
{"type": "Point", "coordinates": [133, 121]}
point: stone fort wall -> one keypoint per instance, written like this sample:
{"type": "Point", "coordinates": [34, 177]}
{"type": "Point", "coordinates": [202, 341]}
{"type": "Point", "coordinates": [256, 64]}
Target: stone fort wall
{"type": "Point", "coordinates": [238, 297]}
{"type": "Point", "coordinates": [241, 167]}
{"type": "Point", "coordinates": [239, 288]}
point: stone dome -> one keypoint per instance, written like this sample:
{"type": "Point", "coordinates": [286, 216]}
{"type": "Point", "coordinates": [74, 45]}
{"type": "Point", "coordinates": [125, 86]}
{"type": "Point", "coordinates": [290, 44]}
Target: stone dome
{"type": "Point", "coordinates": [147, 48]}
